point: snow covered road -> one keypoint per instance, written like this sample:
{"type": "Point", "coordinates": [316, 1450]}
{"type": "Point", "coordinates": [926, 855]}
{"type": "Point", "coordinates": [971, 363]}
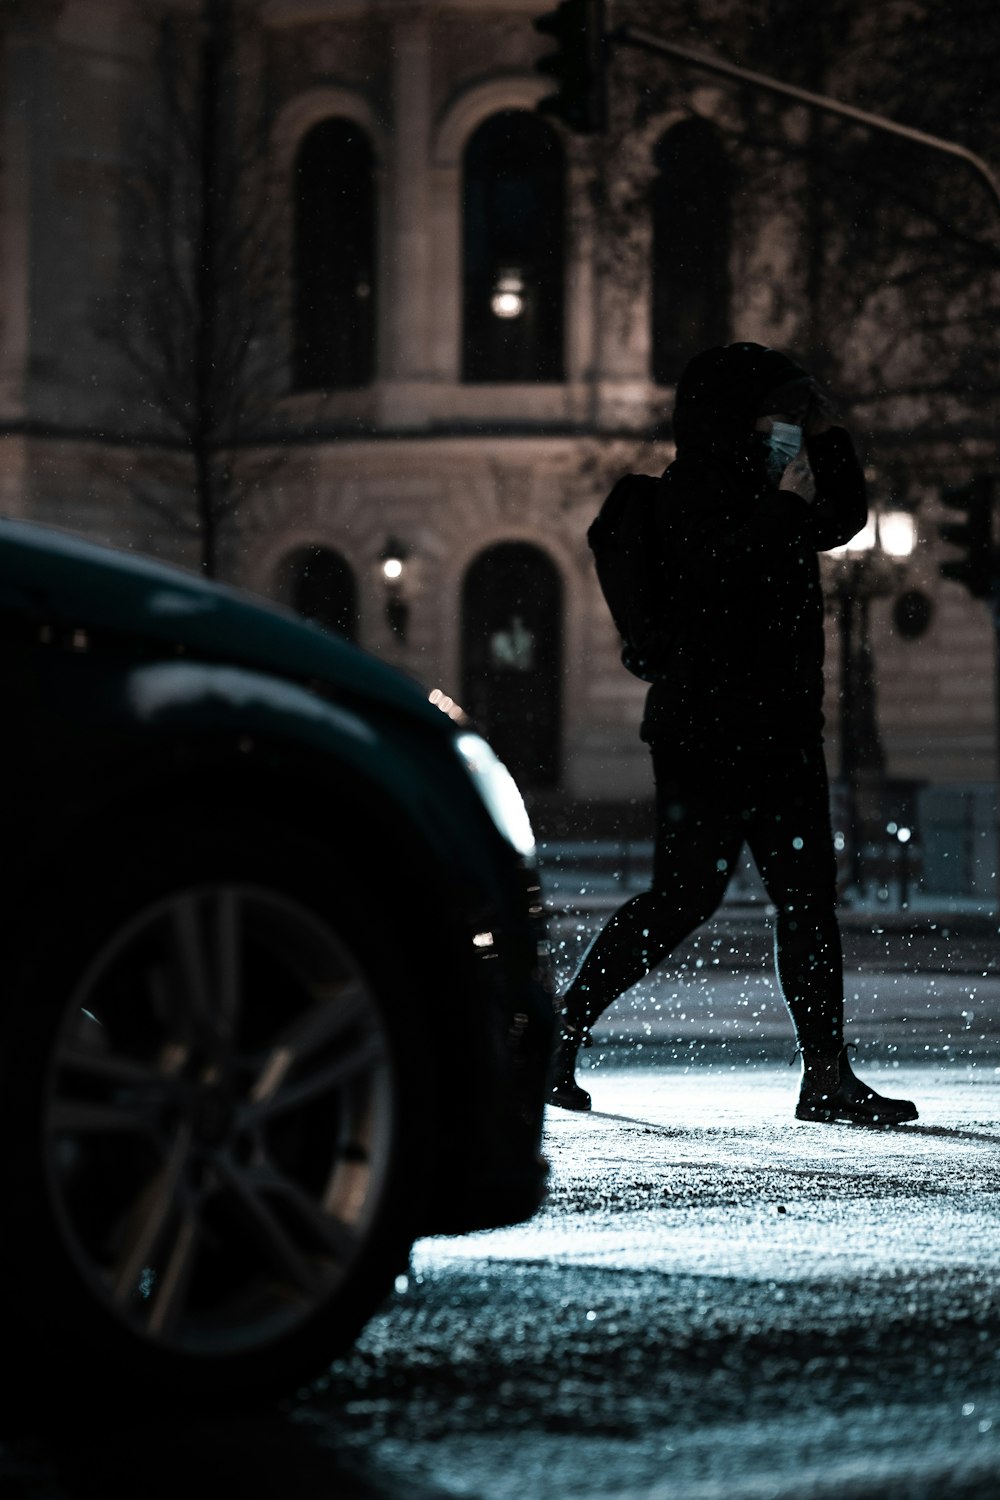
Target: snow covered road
{"type": "Point", "coordinates": [716, 1301]}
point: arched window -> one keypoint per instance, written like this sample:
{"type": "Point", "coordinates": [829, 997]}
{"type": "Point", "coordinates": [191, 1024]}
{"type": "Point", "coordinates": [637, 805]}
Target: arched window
{"type": "Point", "coordinates": [512, 657]}
{"type": "Point", "coordinates": [320, 584]}
{"type": "Point", "coordinates": [514, 250]}
{"type": "Point", "coordinates": [691, 238]}
{"type": "Point", "coordinates": [334, 191]}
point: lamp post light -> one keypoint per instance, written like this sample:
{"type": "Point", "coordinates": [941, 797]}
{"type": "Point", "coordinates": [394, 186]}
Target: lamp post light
{"type": "Point", "coordinates": [508, 296]}
{"type": "Point", "coordinates": [865, 568]}
{"type": "Point", "coordinates": [393, 561]}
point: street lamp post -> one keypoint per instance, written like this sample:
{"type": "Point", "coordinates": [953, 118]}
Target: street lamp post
{"type": "Point", "coordinates": [866, 568]}
{"type": "Point", "coordinates": [393, 560]}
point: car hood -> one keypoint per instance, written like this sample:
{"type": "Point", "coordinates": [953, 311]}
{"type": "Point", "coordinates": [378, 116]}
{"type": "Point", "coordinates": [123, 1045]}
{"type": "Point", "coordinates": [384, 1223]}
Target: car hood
{"type": "Point", "coordinates": [57, 579]}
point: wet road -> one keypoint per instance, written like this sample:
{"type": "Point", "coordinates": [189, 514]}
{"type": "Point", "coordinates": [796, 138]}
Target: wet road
{"type": "Point", "coordinates": [715, 1302]}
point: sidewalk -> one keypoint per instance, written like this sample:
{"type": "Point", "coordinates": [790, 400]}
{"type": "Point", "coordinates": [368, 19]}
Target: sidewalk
{"type": "Point", "coordinates": [741, 940]}
{"type": "Point", "coordinates": [922, 982]}
{"type": "Point", "coordinates": [597, 875]}
{"type": "Point", "coordinates": [893, 1017]}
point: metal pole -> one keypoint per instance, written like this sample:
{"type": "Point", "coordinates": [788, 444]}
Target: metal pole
{"type": "Point", "coordinates": [870, 752]}
{"type": "Point", "coordinates": [633, 36]}
{"type": "Point", "coordinates": [995, 611]}
{"type": "Point", "coordinates": [995, 616]}
{"type": "Point", "coordinates": [848, 729]}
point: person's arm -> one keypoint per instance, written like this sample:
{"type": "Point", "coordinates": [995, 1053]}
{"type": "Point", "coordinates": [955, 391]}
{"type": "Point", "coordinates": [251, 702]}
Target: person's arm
{"type": "Point", "coordinates": [838, 511]}
{"type": "Point", "coordinates": [840, 508]}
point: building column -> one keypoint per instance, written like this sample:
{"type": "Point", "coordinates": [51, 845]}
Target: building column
{"type": "Point", "coordinates": [404, 332]}
{"type": "Point", "coordinates": [28, 105]}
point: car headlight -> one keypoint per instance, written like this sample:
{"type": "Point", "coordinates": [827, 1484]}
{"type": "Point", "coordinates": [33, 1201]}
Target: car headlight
{"type": "Point", "coordinates": [499, 792]}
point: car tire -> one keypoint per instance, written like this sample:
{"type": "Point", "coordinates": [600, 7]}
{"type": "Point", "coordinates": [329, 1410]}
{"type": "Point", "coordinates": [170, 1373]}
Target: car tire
{"type": "Point", "coordinates": [210, 1099]}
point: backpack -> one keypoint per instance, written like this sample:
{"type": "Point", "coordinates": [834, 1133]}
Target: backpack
{"type": "Point", "coordinates": [630, 570]}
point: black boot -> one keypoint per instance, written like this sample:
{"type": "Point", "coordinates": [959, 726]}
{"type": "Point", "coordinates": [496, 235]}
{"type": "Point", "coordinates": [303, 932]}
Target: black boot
{"type": "Point", "coordinates": [831, 1090]}
{"type": "Point", "coordinates": [564, 1089]}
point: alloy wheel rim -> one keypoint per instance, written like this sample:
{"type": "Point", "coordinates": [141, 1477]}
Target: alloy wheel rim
{"type": "Point", "coordinates": [218, 1119]}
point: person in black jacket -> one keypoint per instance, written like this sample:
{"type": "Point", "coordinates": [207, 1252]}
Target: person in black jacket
{"type": "Point", "coordinates": [734, 719]}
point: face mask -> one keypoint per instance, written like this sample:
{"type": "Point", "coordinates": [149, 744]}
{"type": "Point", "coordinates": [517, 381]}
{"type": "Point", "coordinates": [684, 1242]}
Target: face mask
{"type": "Point", "coordinates": [782, 444]}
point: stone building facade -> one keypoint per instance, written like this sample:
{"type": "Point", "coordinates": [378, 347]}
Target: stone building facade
{"type": "Point", "coordinates": [472, 473]}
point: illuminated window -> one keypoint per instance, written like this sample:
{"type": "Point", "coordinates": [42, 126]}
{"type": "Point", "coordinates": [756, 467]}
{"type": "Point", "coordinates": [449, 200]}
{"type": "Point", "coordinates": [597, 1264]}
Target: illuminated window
{"type": "Point", "coordinates": [691, 242]}
{"type": "Point", "coordinates": [334, 190]}
{"type": "Point", "coordinates": [514, 250]}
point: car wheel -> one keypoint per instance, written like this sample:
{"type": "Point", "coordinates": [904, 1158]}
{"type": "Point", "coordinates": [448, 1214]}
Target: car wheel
{"type": "Point", "coordinates": [216, 1139]}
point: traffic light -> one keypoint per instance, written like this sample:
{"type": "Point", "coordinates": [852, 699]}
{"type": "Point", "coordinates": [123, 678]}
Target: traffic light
{"type": "Point", "coordinates": [578, 65]}
{"type": "Point", "coordinates": [978, 567]}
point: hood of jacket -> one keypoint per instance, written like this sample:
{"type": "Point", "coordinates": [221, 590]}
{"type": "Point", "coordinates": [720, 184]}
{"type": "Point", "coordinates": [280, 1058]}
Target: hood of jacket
{"type": "Point", "coordinates": [720, 394]}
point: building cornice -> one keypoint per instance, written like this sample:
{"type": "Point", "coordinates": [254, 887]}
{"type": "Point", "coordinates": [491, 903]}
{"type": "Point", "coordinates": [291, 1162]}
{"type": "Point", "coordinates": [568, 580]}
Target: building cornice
{"type": "Point", "coordinates": [301, 12]}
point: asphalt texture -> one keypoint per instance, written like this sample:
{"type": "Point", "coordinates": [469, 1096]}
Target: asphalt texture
{"type": "Point", "coordinates": [716, 1302]}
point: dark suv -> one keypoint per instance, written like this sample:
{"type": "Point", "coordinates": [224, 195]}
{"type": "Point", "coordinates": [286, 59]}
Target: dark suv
{"type": "Point", "coordinates": [277, 987]}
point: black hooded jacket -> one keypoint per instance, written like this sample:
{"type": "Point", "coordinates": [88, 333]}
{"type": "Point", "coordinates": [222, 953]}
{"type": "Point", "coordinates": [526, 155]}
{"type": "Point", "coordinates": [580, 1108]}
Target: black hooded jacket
{"type": "Point", "coordinates": [740, 566]}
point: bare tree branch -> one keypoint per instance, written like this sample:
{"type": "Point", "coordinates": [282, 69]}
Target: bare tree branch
{"type": "Point", "coordinates": [195, 317]}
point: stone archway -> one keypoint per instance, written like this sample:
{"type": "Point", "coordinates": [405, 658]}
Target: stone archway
{"type": "Point", "coordinates": [320, 584]}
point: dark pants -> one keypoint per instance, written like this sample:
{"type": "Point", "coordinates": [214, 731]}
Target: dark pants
{"type": "Point", "coordinates": [706, 811]}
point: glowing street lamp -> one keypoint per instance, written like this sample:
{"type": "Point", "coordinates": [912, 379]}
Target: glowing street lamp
{"type": "Point", "coordinates": [894, 532]}
{"type": "Point", "coordinates": [393, 559]}
{"type": "Point", "coordinates": [507, 300]}
{"type": "Point", "coordinates": [897, 533]}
